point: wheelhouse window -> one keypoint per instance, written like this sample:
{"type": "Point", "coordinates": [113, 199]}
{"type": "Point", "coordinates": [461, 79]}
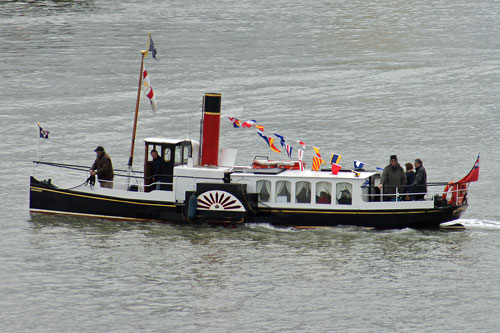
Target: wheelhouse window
{"type": "Point", "coordinates": [167, 153]}
{"type": "Point", "coordinates": [186, 153]}
{"type": "Point", "coordinates": [178, 155]}
{"type": "Point", "coordinates": [323, 193]}
{"type": "Point", "coordinates": [344, 193]}
{"type": "Point", "coordinates": [283, 191]}
{"type": "Point", "coordinates": [303, 192]}
{"type": "Point", "coordinates": [264, 190]}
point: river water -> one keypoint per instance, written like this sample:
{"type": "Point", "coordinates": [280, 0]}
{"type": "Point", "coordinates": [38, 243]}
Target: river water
{"type": "Point", "coordinates": [365, 79]}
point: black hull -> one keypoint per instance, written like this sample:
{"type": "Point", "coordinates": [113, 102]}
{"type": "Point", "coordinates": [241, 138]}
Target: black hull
{"type": "Point", "coordinates": [386, 219]}
{"type": "Point", "coordinates": [50, 199]}
{"type": "Point", "coordinates": [45, 197]}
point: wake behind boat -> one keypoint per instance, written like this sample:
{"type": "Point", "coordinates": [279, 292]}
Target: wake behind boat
{"type": "Point", "coordinates": [199, 183]}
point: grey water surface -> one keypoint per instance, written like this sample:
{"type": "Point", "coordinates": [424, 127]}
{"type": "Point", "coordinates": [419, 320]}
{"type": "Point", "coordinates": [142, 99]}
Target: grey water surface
{"type": "Point", "coordinates": [364, 79]}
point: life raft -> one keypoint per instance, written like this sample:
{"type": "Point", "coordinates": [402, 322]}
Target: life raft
{"type": "Point", "coordinates": [458, 193]}
{"type": "Point", "coordinates": [269, 164]}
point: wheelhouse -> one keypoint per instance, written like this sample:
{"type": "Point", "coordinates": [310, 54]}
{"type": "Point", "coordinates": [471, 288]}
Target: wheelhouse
{"type": "Point", "coordinates": [172, 153]}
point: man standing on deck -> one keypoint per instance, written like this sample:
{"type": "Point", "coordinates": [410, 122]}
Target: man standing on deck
{"type": "Point", "coordinates": [419, 185]}
{"type": "Point", "coordinates": [393, 178]}
{"type": "Point", "coordinates": [103, 168]}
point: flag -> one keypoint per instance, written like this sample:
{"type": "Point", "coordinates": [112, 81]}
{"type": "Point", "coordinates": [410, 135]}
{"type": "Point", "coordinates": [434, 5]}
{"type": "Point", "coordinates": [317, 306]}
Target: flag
{"type": "Point", "coordinates": [379, 169]}
{"type": "Point", "coordinates": [282, 139]}
{"type": "Point", "coordinates": [44, 134]}
{"type": "Point", "coordinates": [272, 146]}
{"type": "Point", "coordinates": [236, 122]}
{"type": "Point", "coordinates": [319, 155]}
{"type": "Point", "coordinates": [270, 142]}
{"type": "Point", "coordinates": [317, 151]}
{"type": "Point", "coordinates": [335, 158]}
{"type": "Point", "coordinates": [152, 47]}
{"type": "Point", "coordinates": [289, 151]}
{"type": "Point", "coordinates": [473, 175]}
{"type": "Point", "coordinates": [260, 128]}
{"type": "Point", "coordinates": [358, 165]}
{"type": "Point", "coordinates": [264, 137]}
{"type": "Point", "coordinates": [335, 168]}
{"type": "Point", "coordinates": [248, 123]}
{"type": "Point", "coordinates": [301, 156]}
{"type": "Point", "coordinates": [316, 163]}
{"type": "Point", "coordinates": [148, 90]}
{"type": "Point", "coordinates": [302, 144]}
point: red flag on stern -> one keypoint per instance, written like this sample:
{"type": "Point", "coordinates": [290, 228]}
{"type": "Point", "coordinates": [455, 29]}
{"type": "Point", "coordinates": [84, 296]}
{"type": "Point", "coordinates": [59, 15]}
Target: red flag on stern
{"type": "Point", "coordinates": [473, 175]}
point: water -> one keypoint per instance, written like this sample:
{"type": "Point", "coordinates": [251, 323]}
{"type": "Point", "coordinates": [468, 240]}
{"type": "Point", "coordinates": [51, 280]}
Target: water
{"type": "Point", "coordinates": [362, 79]}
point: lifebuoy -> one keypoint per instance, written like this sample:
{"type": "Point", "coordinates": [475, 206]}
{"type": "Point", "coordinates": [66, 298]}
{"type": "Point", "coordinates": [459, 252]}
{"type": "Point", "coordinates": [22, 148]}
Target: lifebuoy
{"type": "Point", "coordinates": [458, 192]}
{"type": "Point", "coordinates": [266, 164]}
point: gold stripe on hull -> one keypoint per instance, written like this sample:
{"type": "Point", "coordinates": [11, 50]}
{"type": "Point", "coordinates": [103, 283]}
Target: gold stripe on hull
{"type": "Point", "coordinates": [34, 210]}
{"type": "Point", "coordinates": [350, 212]}
{"type": "Point", "coordinates": [38, 189]}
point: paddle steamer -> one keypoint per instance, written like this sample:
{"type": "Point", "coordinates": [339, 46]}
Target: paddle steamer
{"type": "Point", "coordinates": [200, 183]}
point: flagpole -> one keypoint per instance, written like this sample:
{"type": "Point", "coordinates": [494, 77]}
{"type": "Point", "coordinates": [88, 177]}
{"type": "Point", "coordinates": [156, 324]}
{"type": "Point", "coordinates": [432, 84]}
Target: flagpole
{"type": "Point", "coordinates": [137, 103]}
{"type": "Point", "coordinates": [38, 142]}
{"type": "Point", "coordinates": [144, 54]}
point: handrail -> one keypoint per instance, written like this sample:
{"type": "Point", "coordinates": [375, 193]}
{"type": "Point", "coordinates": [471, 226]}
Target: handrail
{"type": "Point", "coordinates": [451, 194]}
{"type": "Point", "coordinates": [86, 169]}
{"type": "Point", "coordinates": [76, 167]}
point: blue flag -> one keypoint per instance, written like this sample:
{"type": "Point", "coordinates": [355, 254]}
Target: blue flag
{"type": "Point", "coordinates": [152, 47]}
{"type": "Point", "coordinates": [335, 159]}
{"type": "Point", "coordinates": [358, 165]}
{"type": "Point", "coordinates": [282, 139]}
{"type": "Point", "coordinates": [264, 137]}
{"type": "Point", "coordinates": [43, 133]}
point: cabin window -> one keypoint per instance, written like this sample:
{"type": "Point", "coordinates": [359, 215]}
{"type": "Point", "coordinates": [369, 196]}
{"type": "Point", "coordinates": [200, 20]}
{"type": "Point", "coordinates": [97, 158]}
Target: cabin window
{"type": "Point", "coordinates": [264, 190]}
{"type": "Point", "coordinates": [167, 153]}
{"type": "Point", "coordinates": [323, 193]}
{"type": "Point", "coordinates": [368, 191]}
{"type": "Point", "coordinates": [303, 192]}
{"type": "Point", "coordinates": [186, 153]}
{"type": "Point", "coordinates": [283, 190]}
{"type": "Point", "coordinates": [178, 155]}
{"type": "Point", "coordinates": [344, 193]}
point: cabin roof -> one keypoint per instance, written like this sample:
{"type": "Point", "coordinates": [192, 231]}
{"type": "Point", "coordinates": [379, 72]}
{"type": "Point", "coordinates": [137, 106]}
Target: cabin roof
{"type": "Point", "coordinates": [159, 140]}
{"type": "Point", "coordinates": [307, 174]}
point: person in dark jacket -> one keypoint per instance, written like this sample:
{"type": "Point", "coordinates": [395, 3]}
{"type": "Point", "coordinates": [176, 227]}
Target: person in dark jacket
{"type": "Point", "coordinates": [393, 178]}
{"type": "Point", "coordinates": [157, 168]}
{"type": "Point", "coordinates": [410, 177]}
{"type": "Point", "coordinates": [419, 185]}
{"type": "Point", "coordinates": [103, 168]}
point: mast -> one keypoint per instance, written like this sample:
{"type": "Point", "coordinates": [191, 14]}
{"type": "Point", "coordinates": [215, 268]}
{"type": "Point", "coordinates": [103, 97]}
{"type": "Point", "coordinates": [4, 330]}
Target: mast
{"type": "Point", "coordinates": [144, 53]}
{"type": "Point", "coordinates": [134, 130]}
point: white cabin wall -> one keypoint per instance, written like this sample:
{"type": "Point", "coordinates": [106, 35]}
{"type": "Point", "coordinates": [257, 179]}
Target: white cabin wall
{"type": "Point", "coordinates": [251, 181]}
{"type": "Point", "coordinates": [186, 178]}
{"type": "Point", "coordinates": [195, 152]}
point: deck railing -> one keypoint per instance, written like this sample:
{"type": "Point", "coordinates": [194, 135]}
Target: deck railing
{"type": "Point", "coordinates": [451, 193]}
{"type": "Point", "coordinates": [441, 193]}
{"type": "Point", "coordinates": [123, 179]}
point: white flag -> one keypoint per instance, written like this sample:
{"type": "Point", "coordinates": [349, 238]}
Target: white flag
{"type": "Point", "coordinates": [148, 90]}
